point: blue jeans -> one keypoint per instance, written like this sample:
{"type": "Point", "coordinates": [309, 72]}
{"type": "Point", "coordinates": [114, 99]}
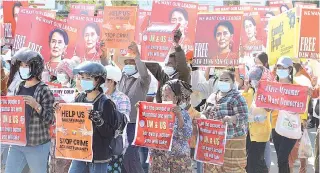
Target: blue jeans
{"type": "Point", "coordinates": [35, 156]}
{"type": "Point", "coordinates": [199, 167]}
{"type": "Point", "coordinates": [85, 167]}
{"type": "Point", "coordinates": [267, 155]}
{"type": "Point", "coordinates": [4, 153]}
{"type": "Point", "coordinates": [143, 157]}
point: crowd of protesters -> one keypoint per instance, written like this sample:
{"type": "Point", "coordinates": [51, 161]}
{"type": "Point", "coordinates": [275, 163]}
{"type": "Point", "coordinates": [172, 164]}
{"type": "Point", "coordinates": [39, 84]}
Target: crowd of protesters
{"type": "Point", "coordinates": [219, 94]}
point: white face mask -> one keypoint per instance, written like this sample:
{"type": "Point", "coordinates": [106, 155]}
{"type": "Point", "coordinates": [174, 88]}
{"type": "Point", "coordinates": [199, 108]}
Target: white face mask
{"type": "Point", "coordinates": [62, 78]}
{"type": "Point", "coordinates": [24, 73]}
{"type": "Point", "coordinates": [224, 86]}
{"type": "Point", "coordinates": [169, 70]}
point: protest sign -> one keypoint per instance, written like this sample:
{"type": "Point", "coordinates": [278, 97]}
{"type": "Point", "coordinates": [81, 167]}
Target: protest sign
{"type": "Point", "coordinates": [53, 85]}
{"type": "Point", "coordinates": [154, 127]}
{"type": "Point", "coordinates": [74, 132]}
{"type": "Point", "coordinates": [143, 20]}
{"type": "Point", "coordinates": [266, 11]}
{"type": "Point", "coordinates": [282, 36]}
{"type": "Point", "coordinates": [300, 5]}
{"type": "Point", "coordinates": [56, 41]}
{"type": "Point", "coordinates": [64, 95]}
{"type": "Point", "coordinates": [10, 17]}
{"type": "Point", "coordinates": [119, 27]}
{"type": "Point", "coordinates": [279, 96]}
{"type": "Point", "coordinates": [211, 141]}
{"type": "Point", "coordinates": [27, 16]}
{"type": "Point", "coordinates": [13, 130]}
{"type": "Point", "coordinates": [100, 13]}
{"type": "Point", "coordinates": [217, 39]}
{"type": "Point", "coordinates": [253, 2]}
{"type": "Point", "coordinates": [157, 40]}
{"type": "Point", "coordinates": [309, 40]}
{"type": "Point", "coordinates": [233, 8]}
{"type": "Point", "coordinates": [251, 35]}
{"type": "Point", "coordinates": [89, 36]}
{"type": "Point", "coordinates": [283, 5]}
{"type": "Point", "coordinates": [82, 9]}
{"type": "Point", "coordinates": [177, 12]}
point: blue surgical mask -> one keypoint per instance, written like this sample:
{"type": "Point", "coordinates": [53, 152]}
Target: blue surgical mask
{"type": "Point", "coordinates": [169, 70]}
{"type": "Point", "coordinates": [224, 86]}
{"type": "Point", "coordinates": [282, 73]}
{"type": "Point", "coordinates": [87, 85]}
{"type": "Point", "coordinates": [62, 78]}
{"type": "Point", "coordinates": [24, 73]}
{"type": "Point", "coordinates": [129, 69]}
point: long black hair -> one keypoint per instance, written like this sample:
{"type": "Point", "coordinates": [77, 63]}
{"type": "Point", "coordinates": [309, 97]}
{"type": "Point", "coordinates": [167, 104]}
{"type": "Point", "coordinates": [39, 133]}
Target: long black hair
{"type": "Point", "coordinates": [13, 70]}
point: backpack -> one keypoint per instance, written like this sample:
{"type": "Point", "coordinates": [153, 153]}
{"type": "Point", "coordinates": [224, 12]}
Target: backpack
{"type": "Point", "coordinates": [118, 145]}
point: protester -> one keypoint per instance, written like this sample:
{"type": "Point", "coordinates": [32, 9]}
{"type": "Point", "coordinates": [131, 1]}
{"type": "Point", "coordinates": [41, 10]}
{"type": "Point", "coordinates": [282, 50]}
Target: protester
{"type": "Point", "coordinates": [228, 105]}
{"type": "Point", "coordinates": [259, 125]}
{"type": "Point", "coordinates": [178, 159]}
{"type": "Point", "coordinates": [175, 68]}
{"type": "Point", "coordinates": [103, 118]}
{"type": "Point", "coordinates": [4, 78]}
{"type": "Point", "coordinates": [282, 144]}
{"type": "Point", "coordinates": [134, 83]}
{"type": "Point", "coordinates": [123, 105]}
{"type": "Point", "coordinates": [39, 115]}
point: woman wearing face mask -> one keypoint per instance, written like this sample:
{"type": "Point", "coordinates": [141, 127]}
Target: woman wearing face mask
{"type": "Point", "coordinates": [93, 75]}
{"type": "Point", "coordinates": [284, 145]}
{"type": "Point", "coordinates": [259, 126]}
{"type": "Point", "coordinates": [229, 106]}
{"type": "Point", "coordinates": [38, 115]}
{"type": "Point", "coordinates": [178, 159]}
{"type": "Point", "coordinates": [123, 105]}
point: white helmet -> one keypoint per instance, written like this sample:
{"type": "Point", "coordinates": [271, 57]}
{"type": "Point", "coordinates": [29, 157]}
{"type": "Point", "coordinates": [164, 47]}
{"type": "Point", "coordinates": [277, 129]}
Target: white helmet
{"type": "Point", "coordinates": [113, 73]}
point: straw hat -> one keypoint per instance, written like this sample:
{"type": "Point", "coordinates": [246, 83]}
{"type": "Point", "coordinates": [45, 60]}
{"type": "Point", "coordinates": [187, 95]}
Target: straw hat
{"type": "Point", "coordinates": [121, 59]}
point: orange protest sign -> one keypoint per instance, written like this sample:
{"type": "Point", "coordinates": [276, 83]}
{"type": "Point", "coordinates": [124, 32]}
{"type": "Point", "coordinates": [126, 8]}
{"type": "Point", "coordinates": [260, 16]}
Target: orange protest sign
{"type": "Point", "coordinates": [154, 127]}
{"type": "Point", "coordinates": [13, 130]}
{"type": "Point", "coordinates": [119, 26]}
{"type": "Point", "coordinates": [54, 85]}
{"type": "Point", "coordinates": [211, 141]}
{"type": "Point", "coordinates": [309, 42]}
{"type": "Point", "coordinates": [74, 132]}
{"type": "Point", "coordinates": [279, 96]}
{"type": "Point", "coordinates": [64, 95]}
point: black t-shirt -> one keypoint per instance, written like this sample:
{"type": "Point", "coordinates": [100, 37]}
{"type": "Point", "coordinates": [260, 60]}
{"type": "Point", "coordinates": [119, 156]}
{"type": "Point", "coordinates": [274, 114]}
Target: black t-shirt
{"type": "Point", "coordinates": [28, 112]}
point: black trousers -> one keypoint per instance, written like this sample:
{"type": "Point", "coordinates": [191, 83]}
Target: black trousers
{"type": "Point", "coordinates": [255, 156]}
{"type": "Point", "coordinates": [283, 146]}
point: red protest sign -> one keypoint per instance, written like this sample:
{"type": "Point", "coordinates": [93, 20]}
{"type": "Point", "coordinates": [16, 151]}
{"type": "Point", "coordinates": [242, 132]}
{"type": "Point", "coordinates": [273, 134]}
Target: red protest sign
{"type": "Point", "coordinates": [233, 8]}
{"type": "Point", "coordinates": [251, 35]}
{"type": "Point", "coordinates": [56, 41]}
{"type": "Point", "coordinates": [300, 5]}
{"type": "Point", "coordinates": [309, 40]}
{"type": "Point", "coordinates": [13, 130]}
{"type": "Point", "coordinates": [203, 8]}
{"type": "Point", "coordinates": [157, 41]}
{"type": "Point", "coordinates": [100, 13]}
{"type": "Point", "coordinates": [218, 39]}
{"type": "Point", "coordinates": [82, 9]}
{"type": "Point", "coordinates": [10, 17]}
{"type": "Point", "coordinates": [53, 85]}
{"type": "Point", "coordinates": [279, 96]}
{"type": "Point", "coordinates": [283, 5]}
{"type": "Point", "coordinates": [143, 20]}
{"type": "Point", "coordinates": [27, 16]}
{"type": "Point", "coordinates": [211, 141]}
{"type": "Point", "coordinates": [265, 11]}
{"type": "Point", "coordinates": [154, 127]}
{"type": "Point", "coordinates": [89, 36]}
{"type": "Point", "coordinates": [177, 12]}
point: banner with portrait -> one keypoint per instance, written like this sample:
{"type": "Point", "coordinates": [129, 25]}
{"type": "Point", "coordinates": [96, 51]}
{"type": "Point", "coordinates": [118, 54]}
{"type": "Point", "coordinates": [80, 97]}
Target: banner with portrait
{"type": "Point", "coordinates": [143, 21]}
{"type": "Point", "coordinates": [309, 39]}
{"type": "Point", "coordinates": [11, 10]}
{"type": "Point", "coordinates": [233, 8]}
{"type": "Point", "coordinates": [266, 11]}
{"type": "Point", "coordinates": [218, 39]}
{"type": "Point", "coordinates": [282, 36]}
{"type": "Point", "coordinates": [27, 17]}
{"type": "Point", "coordinates": [56, 41]}
{"type": "Point", "coordinates": [177, 12]}
{"type": "Point", "coordinates": [89, 36]}
{"type": "Point", "coordinates": [82, 9]}
{"type": "Point", "coordinates": [300, 5]}
{"type": "Point", "coordinates": [283, 5]}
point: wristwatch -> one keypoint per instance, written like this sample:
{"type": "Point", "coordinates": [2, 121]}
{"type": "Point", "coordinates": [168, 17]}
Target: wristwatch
{"type": "Point", "coordinates": [39, 108]}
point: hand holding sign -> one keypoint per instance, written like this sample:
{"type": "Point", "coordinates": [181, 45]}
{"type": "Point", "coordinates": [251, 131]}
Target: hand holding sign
{"type": "Point", "coordinates": [31, 101]}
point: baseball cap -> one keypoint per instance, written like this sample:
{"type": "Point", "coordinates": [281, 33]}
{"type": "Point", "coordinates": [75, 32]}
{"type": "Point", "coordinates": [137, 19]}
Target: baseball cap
{"type": "Point", "coordinates": [113, 73]}
{"type": "Point", "coordinates": [285, 61]}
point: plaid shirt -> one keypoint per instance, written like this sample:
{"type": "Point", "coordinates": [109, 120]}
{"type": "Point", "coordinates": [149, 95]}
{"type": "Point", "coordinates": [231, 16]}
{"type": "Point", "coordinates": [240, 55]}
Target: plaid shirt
{"type": "Point", "coordinates": [122, 102]}
{"type": "Point", "coordinates": [233, 104]}
{"type": "Point", "coordinates": [38, 127]}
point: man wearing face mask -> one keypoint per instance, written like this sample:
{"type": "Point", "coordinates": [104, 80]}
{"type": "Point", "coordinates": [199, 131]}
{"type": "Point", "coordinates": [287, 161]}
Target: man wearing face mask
{"type": "Point", "coordinates": [175, 68]}
{"type": "Point", "coordinates": [39, 114]}
{"type": "Point", "coordinates": [134, 83]}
